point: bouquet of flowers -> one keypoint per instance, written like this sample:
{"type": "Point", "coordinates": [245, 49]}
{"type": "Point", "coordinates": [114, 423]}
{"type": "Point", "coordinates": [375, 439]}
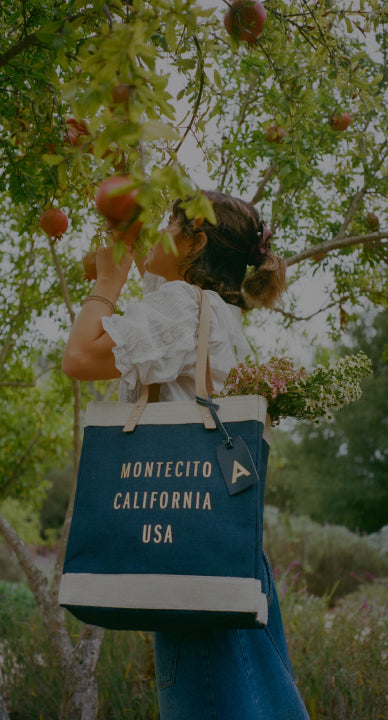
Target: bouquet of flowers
{"type": "Point", "coordinates": [295, 392]}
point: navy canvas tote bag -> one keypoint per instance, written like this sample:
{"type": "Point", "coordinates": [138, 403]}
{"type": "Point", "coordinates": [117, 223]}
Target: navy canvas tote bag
{"type": "Point", "coordinates": [167, 523]}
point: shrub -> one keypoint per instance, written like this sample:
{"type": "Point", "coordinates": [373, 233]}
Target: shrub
{"type": "Point", "coordinates": [379, 540]}
{"type": "Point", "coordinates": [340, 655]}
{"type": "Point", "coordinates": [328, 559]}
{"type": "Point", "coordinates": [16, 605]}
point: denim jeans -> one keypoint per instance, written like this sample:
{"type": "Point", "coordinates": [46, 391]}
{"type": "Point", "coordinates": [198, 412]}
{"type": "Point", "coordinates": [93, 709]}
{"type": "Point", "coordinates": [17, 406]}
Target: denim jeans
{"type": "Point", "coordinates": [227, 674]}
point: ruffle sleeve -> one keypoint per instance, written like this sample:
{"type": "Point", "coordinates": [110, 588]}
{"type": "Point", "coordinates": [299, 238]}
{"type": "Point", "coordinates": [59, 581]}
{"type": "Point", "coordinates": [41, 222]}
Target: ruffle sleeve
{"type": "Point", "coordinates": [154, 336]}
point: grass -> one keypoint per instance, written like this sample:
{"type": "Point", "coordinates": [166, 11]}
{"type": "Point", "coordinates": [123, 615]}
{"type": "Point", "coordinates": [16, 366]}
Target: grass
{"type": "Point", "coordinates": [126, 678]}
{"type": "Point", "coordinates": [30, 679]}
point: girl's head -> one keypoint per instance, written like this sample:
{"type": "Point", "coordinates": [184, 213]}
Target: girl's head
{"type": "Point", "coordinates": [218, 255]}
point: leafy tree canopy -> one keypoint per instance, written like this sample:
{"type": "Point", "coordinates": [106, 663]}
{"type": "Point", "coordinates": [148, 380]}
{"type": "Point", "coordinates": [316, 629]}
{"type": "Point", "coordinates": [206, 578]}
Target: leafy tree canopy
{"type": "Point", "coordinates": [188, 84]}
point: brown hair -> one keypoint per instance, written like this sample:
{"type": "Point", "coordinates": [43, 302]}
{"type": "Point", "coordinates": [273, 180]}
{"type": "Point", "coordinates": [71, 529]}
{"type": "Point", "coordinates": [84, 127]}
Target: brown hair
{"type": "Point", "coordinates": [237, 241]}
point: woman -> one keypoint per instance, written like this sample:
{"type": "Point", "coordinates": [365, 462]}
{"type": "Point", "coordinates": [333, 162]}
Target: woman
{"type": "Point", "coordinates": [224, 674]}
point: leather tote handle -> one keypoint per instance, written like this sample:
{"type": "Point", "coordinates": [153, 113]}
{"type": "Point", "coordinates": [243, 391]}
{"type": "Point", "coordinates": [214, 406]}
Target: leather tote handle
{"type": "Point", "coordinates": [203, 380]}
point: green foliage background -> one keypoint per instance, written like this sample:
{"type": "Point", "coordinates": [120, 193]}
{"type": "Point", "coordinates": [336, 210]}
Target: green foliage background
{"type": "Point", "coordinates": [337, 472]}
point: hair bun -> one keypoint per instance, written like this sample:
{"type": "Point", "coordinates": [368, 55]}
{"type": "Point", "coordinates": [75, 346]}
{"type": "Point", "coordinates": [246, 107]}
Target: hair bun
{"type": "Point", "coordinates": [262, 248]}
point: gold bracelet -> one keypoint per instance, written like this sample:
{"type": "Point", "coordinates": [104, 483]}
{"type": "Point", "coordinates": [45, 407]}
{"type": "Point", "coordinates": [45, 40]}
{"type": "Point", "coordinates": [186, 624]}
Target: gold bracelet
{"type": "Point", "coordinates": [100, 299]}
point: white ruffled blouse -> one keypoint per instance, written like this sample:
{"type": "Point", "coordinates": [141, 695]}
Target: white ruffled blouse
{"type": "Point", "coordinates": [156, 338]}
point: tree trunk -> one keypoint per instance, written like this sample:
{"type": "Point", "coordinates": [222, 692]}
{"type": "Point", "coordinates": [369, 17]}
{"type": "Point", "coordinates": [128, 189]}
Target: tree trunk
{"type": "Point", "coordinates": [80, 694]}
{"type": "Point", "coordinates": [3, 710]}
{"type": "Point", "coordinates": [78, 663]}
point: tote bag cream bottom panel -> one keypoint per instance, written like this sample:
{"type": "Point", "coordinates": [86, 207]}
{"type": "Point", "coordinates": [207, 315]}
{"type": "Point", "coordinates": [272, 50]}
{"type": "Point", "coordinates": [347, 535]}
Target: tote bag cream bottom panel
{"type": "Point", "coordinates": [165, 592]}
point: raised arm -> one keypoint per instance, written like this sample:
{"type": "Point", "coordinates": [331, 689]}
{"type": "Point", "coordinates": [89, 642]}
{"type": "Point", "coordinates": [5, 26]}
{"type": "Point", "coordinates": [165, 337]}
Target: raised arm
{"type": "Point", "coordinates": [89, 349]}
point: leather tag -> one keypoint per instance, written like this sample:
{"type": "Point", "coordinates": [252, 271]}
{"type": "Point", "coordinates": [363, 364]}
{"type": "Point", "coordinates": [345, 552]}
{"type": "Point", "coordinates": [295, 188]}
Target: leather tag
{"type": "Point", "coordinates": [237, 466]}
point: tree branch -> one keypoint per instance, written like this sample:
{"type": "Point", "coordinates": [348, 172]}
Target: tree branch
{"type": "Point", "coordinates": [69, 512]}
{"type": "Point", "coordinates": [300, 28]}
{"type": "Point", "coordinates": [197, 102]}
{"type": "Point", "coordinates": [52, 614]}
{"type": "Point", "coordinates": [36, 579]}
{"type": "Point", "coordinates": [275, 221]}
{"type": "Point", "coordinates": [108, 15]}
{"type": "Point", "coordinates": [269, 173]}
{"type": "Point", "coordinates": [291, 316]}
{"type": "Point", "coordinates": [334, 244]}
{"type": "Point", "coordinates": [241, 118]}
{"type": "Point", "coordinates": [351, 212]}
{"type": "Point", "coordinates": [62, 280]}
{"type": "Point", "coordinates": [32, 39]}
{"type": "Point", "coordinates": [312, 13]}
{"type": "Point", "coordinates": [21, 45]}
{"type": "Point", "coordinates": [3, 710]}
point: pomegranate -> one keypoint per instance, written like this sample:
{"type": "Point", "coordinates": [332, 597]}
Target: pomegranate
{"type": "Point", "coordinates": [341, 123]}
{"type": "Point", "coordinates": [244, 20]}
{"type": "Point", "coordinates": [120, 93]}
{"type": "Point", "coordinates": [275, 134]}
{"type": "Point", "coordinates": [54, 222]}
{"type": "Point", "coordinates": [75, 130]}
{"type": "Point", "coordinates": [113, 206]}
{"type": "Point", "coordinates": [90, 266]}
{"type": "Point", "coordinates": [372, 220]}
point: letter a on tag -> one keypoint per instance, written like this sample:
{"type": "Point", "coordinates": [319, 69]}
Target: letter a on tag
{"type": "Point", "coordinates": [239, 471]}
{"type": "Point", "coordinates": [237, 466]}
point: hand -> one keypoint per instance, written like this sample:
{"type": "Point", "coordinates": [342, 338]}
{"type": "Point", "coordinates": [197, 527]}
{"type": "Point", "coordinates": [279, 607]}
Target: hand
{"type": "Point", "coordinates": [109, 272]}
{"type": "Point", "coordinates": [128, 233]}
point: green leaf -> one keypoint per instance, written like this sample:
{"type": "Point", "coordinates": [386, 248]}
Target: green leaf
{"type": "Point", "coordinates": [62, 176]}
{"type": "Point", "coordinates": [98, 5]}
{"type": "Point", "coordinates": [155, 129]}
{"type": "Point", "coordinates": [119, 250]}
{"type": "Point", "coordinates": [170, 33]}
{"type": "Point", "coordinates": [203, 12]}
{"type": "Point", "coordinates": [168, 243]}
{"type": "Point", "coordinates": [200, 207]}
{"type": "Point", "coordinates": [49, 32]}
{"type": "Point", "coordinates": [217, 79]}
{"type": "Point", "coordinates": [52, 159]}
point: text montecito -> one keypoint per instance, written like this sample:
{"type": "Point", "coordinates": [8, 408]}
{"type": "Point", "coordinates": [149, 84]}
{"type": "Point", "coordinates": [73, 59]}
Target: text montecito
{"type": "Point", "coordinates": [166, 469]}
